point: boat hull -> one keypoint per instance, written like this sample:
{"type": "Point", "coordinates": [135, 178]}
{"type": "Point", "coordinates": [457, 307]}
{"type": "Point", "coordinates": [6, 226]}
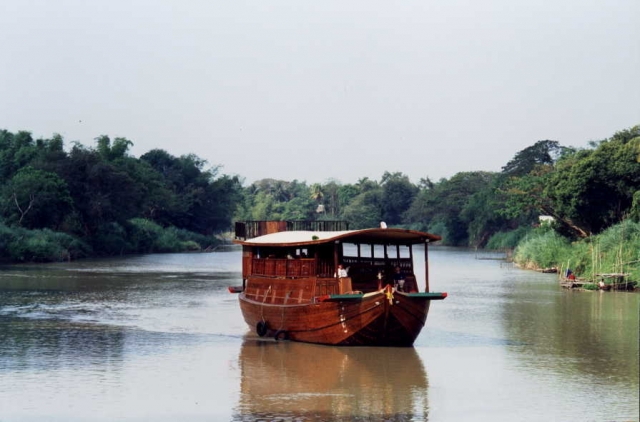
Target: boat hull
{"type": "Point", "coordinates": [382, 318]}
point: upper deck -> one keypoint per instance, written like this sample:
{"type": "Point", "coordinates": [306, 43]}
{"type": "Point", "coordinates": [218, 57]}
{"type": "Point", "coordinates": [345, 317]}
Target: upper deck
{"type": "Point", "coordinates": [370, 254]}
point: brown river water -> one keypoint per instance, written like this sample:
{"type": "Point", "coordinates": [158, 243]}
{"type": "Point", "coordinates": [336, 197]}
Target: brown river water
{"type": "Point", "coordinates": [159, 338]}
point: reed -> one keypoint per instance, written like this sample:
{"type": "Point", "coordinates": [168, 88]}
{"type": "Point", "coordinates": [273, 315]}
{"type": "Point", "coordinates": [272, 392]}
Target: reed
{"type": "Point", "coordinates": [616, 250]}
{"type": "Point", "coordinates": [540, 250]}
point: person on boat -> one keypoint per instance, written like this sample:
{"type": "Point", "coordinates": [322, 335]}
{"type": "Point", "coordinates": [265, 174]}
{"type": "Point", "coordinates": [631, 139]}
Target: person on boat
{"type": "Point", "coordinates": [341, 271]}
{"type": "Point", "coordinates": [398, 279]}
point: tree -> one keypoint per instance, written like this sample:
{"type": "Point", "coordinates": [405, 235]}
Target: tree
{"type": "Point", "coordinates": [445, 202]}
{"type": "Point", "coordinates": [16, 151]}
{"type": "Point", "coordinates": [36, 199]}
{"type": "Point", "coordinates": [316, 193]}
{"type": "Point", "coordinates": [111, 152]}
{"type": "Point", "coordinates": [364, 184]}
{"type": "Point", "coordinates": [483, 217]}
{"type": "Point", "coordinates": [203, 202]}
{"type": "Point", "coordinates": [332, 205]}
{"type": "Point", "coordinates": [587, 190]}
{"type": "Point", "coordinates": [103, 192]}
{"type": "Point", "coordinates": [365, 211]}
{"type": "Point", "coordinates": [397, 195]}
{"type": "Point", "coordinates": [540, 153]}
{"type": "Point", "coordinates": [594, 189]}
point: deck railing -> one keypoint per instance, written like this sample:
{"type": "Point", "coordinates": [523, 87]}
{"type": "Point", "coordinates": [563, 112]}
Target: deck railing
{"type": "Point", "coordinates": [405, 264]}
{"type": "Point", "coordinates": [250, 229]}
{"type": "Point", "coordinates": [274, 267]}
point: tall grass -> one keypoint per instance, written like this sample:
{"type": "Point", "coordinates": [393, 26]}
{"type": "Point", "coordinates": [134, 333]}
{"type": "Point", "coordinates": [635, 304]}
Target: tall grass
{"type": "Point", "coordinates": [616, 250]}
{"type": "Point", "coordinates": [542, 249]}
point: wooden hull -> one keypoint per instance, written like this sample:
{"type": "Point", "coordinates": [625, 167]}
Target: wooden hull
{"type": "Point", "coordinates": [382, 318]}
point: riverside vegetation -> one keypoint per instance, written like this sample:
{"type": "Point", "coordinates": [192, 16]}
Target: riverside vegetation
{"type": "Point", "coordinates": [58, 205]}
{"type": "Point", "coordinates": [100, 200]}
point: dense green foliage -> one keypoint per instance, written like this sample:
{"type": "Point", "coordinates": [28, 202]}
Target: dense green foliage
{"type": "Point", "coordinates": [586, 191]}
{"type": "Point", "coordinates": [106, 200]}
{"type": "Point", "coordinates": [114, 203]}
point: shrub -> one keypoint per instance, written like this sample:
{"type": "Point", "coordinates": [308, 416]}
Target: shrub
{"type": "Point", "coordinates": [24, 245]}
{"type": "Point", "coordinates": [7, 236]}
{"type": "Point", "coordinates": [143, 235]}
{"type": "Point", "coordinates": [169, 241]}
{"type": "Point", "coordinates": [111, 239]}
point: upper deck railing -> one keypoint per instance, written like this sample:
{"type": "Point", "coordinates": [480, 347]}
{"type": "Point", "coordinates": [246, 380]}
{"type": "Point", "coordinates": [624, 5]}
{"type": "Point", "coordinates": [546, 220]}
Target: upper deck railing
{"type": "Point", "coordinates": [250, 229]}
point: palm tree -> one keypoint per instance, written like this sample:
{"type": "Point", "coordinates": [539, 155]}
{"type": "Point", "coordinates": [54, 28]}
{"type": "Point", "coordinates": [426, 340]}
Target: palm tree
{"type": "Point", "coordinates": [316, 193]}
{"type": "Point", "coordinates": [318, 196]}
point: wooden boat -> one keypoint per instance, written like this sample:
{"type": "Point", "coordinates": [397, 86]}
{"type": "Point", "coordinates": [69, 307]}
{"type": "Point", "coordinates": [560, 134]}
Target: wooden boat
{"type": "Point", "coordinates": [292, 288]}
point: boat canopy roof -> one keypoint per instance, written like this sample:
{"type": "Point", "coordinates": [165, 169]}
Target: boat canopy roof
{"type": "Point", "coordinates": [366, 236]}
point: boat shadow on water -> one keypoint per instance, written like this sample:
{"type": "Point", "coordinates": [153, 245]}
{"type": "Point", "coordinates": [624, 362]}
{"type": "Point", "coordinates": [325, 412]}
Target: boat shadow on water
{"type": "Point", "coordinates": [289, 381]}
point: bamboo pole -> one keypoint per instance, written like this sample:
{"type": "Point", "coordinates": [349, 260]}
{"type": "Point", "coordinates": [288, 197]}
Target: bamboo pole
{"type": "Point", "coordinates": [336, 245]}
{"type": "Point", "coordinates": [426, 266]}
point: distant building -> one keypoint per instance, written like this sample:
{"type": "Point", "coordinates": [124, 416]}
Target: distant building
{"type": "Point", "coordinates": [546, 219]}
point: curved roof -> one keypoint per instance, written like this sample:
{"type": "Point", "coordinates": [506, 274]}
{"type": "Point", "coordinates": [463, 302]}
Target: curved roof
{"type": "Point", "coordinates": [375, 236]}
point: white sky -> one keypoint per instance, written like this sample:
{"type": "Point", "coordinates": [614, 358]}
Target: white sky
{"type": "Point", "coordinates": [313, 90]}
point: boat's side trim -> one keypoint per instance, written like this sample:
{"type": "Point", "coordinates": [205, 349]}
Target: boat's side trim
{"type": "Point", "coordinates": [432, 296]}
{"type": "Point", "coordinates": [356, 296]}
{"type": "Point", "coordinates": [360, 296]}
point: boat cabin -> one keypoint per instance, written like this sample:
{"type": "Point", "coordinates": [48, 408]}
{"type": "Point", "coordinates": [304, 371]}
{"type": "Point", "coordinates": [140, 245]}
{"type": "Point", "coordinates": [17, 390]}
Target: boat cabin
{"type": "Point", "coordinates": [302, 265]}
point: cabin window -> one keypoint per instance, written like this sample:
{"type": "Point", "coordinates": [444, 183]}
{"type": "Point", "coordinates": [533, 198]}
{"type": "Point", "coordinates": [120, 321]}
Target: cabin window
{"type": "Point", "coordinates": [398, 251]}
{"type": "Point", "coordinates": [378, 251]}
{"type": "Point", "coordinates": [350, 249]}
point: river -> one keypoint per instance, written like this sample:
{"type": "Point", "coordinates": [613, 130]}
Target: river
{"type": "Point", "coordinates": [158, 337]}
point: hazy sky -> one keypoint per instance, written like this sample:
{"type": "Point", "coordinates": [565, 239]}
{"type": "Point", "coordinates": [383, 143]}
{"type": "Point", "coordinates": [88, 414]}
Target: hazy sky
{"type": "Point", "coordinates": [312, 90]}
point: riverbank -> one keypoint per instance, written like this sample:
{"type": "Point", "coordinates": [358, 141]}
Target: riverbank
{"type": "Point", "coordinates": [137, 236]}
{"type": "Point", "coordinates": [593, 260]}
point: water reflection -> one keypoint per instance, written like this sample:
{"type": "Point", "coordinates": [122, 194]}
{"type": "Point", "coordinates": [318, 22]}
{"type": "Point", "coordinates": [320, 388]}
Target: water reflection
{"type": "Point", "coordinates": [293, 381]}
